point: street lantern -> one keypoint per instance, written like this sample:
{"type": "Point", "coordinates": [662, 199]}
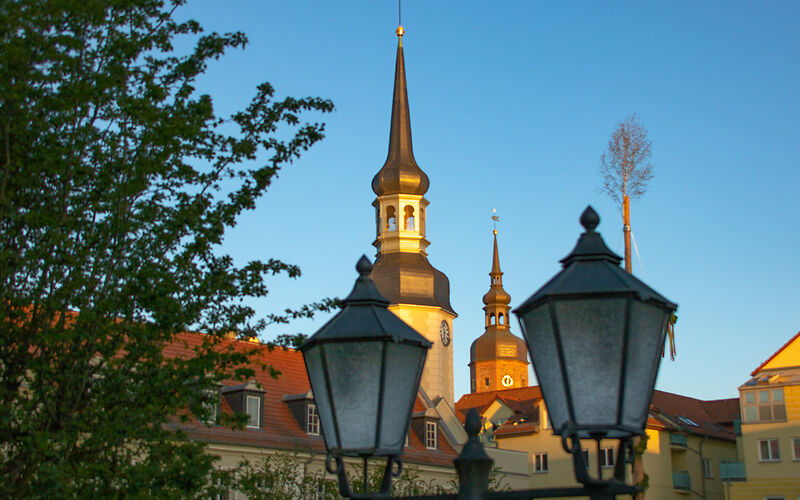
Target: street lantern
{"type": "Point", "coordinates": [364, 366]}
{"type": "Point", "coordinates": [595, 335]}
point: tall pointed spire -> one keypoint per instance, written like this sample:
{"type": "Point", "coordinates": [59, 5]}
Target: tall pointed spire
{"type": "Point", "coordinates": [496, 260]}
{"type": "Point", "coordinates": [496, 299]}
{"type": "Point", "coordinates": [400, 173]}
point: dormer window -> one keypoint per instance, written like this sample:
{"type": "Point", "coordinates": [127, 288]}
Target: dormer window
{"type": "Point", "coordinates": [431, 435]}
{"type": "Point", "coordinates": [312, 419]}
{"type": "Point", "coordinates": [253, 411]}
{"type": "Point", "coordinates": [304, 411]}
{"type": "Point", "coordinates": [211, 405]}
{"type": "Point", "coordinates": [247, 399]}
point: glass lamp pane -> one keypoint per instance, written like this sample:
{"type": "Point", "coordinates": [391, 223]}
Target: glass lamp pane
{"type": "Point", "coordinates": [537, 328]}
{"type": "Point", "coordinates": [591, 337]}
{"type": "Point", "coordinates": [354, 370]}
{"type": "Point", "coordinates": [403, 369]}
{"type": "Point", "coordinates": [313, 359]}
{"type": "Point", "coordinates": [647, 329]}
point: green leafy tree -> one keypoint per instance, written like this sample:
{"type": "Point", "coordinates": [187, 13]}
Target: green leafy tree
{"type": "Point", "coordinates": [118, 182]}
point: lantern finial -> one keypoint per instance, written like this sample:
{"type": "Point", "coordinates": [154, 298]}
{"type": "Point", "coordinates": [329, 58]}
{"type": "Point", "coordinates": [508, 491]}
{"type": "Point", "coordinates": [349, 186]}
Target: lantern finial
{"type": "Point", "coordinates": [472, 424]}
{"type": "Point", "coordinates": [363, 266]}
{"type": "Point", "coordinates": [589, 219]}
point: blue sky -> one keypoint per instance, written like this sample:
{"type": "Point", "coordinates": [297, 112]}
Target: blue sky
{"type": "Point", "coordinates": [511, 105]}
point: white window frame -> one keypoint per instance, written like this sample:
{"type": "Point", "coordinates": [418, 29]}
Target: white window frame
{"type": "Point", "coordinates": [211, 403]}
{"type": "Point", "coordinates": [707, 469]}
{"type": "Point", "coordinates": [540, 463]}
{"type": "Point", "coordinates": [431, 435]}
{"type": "Point", "coordinates": [606, 458]}
{"type": "Point", "coordinates": [250, 417]}
{"type": "Point", "coordinates": [796, 448]}
{"type": "Point", "coordinates": [312, 420]}
{"type": "Point", "coordinates": [770, 450]}
{"type": "Point", "coordinates": [775, 401]}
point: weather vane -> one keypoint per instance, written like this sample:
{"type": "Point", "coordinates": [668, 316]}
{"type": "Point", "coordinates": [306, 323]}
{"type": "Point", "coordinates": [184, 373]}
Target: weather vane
{"type": "Point", "coordinates": [495, 218]}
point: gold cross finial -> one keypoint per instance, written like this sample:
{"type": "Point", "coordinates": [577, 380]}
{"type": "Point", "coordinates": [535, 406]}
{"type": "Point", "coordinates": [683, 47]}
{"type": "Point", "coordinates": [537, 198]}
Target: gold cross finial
{"type": "Point", "coordinates": [495, 218]}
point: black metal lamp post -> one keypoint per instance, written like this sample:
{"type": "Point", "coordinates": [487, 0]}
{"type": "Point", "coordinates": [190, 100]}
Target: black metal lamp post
{"type": "Point", "coordinates": [594, 332]}
{"type": "Point", "coordinates": [595, 335]}
{"type": "Point", "coordinates": [364, 366]}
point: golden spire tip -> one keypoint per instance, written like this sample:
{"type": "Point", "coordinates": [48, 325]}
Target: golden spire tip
{"type": "Point", "coordinates": [399, 31]}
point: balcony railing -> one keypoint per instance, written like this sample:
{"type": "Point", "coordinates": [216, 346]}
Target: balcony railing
{"type": "Point", "coordinates": [732, 471]}
{"type": "Point", "coordinates": [677, 439]}
{"type": "Point", "coordinates": [681, 481]}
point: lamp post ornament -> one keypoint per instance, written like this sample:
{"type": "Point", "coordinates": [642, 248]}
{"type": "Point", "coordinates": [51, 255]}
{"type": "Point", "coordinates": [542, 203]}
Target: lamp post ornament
{"type": "Point", "coordinates": [594, 334]}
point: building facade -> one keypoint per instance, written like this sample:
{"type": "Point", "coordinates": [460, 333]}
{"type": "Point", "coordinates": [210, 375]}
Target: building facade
{"type": "Point", "coordinates": [687, 441]}
{"type": "Point", "coordinates": [769, 454]}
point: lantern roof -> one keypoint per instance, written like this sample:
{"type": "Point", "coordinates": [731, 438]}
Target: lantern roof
{"type": "Point", "coordinates": [592, 267]}
{"type": "Point", "coordinates": [365, 315]}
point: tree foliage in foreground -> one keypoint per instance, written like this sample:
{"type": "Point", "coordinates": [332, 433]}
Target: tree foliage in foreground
{"type": "Point", "coordinates": [285, 476]}
{"type": "Point", "coordinates": [118, 182]}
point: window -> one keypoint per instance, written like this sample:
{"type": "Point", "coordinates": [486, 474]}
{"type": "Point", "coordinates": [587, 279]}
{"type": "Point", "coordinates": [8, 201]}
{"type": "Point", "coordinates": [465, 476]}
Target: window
{"type": "Point", "coordinates": [408, 218]}
{"type": "Point", "coordinates": [687, 421]}
{"type": "Point", "coordinates": [764, 405]}
{"type": "Point", "coordinates": [486, 381]}
{"type": "Point", "coordinates": [430, 435]}
{"type": "Point", "coordinates": [606, 457]}
{"type": "Point", "coordinates": [253, 411]}
{"type": "Point", "coordinates": [768, 450]}
{"type": "Point", "coordinates": [500, 319]}
{"type": "Point", "coordinates": [540, 463]}
{"type": "Point", "coordinates": [707, 467]}
{"type": "Point", "coordinates": [391, 219]}
{"type": "Point", "coordinates": [796, 448]}
{"type": "Point", "coordinates": [585, 457]}
{"type": "Point", "coordinates": [312, 420]}
{"type": "Point", "coordinates": [211, 405]}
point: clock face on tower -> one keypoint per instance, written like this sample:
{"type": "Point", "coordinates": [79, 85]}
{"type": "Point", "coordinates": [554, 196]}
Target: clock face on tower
{"type": "Point", "coordinates": [444, 333]}
{"type": "Point", "coordinates": [507, 381]}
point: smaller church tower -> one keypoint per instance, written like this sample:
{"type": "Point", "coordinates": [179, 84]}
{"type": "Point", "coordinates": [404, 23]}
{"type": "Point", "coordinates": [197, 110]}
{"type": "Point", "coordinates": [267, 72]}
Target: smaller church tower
{"type": "Point", "coordinates": [498, 358]}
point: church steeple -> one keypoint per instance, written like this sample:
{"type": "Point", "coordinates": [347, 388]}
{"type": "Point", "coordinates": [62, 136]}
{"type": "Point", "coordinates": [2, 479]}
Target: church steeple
{"type": "Point", "coordinates": [418, 293]}
{"type": "Point", "coordinates": [496, 299]}
{"type": "Point", "coordinates": [400, 173]}
{"type": "Point", "coordinates": [498, 358]}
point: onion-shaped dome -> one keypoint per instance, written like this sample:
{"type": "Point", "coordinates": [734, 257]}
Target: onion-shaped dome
{"type": "Point", "coordinates": [498, 344]}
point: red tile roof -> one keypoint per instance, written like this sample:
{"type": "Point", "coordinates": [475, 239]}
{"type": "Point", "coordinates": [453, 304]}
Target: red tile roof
{"type": "Point", "coordinates": [481, 400]}
{"type": "Point", "coordinates": [279, 428]}
{"type": "Point", "coordinates": [713, 418]}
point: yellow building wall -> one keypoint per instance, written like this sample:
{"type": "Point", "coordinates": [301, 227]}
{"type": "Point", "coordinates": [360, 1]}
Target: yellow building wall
{"type": "Point", "coordinates": [787, 358]}
{"type": "Point", "coordinates": [314, 463]}
{"type": "Point", "coordinates": [660, 460]}
{"type": "Point", "coordinates": [774, 479]}
{"type": "Point", "coordinates": [437, 375]}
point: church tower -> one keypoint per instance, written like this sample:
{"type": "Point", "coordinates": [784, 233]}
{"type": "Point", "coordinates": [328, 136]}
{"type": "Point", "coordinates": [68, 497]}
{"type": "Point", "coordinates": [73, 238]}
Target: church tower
{"type": "Point", "coordinates": [498, 358]}
{"type": "Point", "coordinates": [418, 293]}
